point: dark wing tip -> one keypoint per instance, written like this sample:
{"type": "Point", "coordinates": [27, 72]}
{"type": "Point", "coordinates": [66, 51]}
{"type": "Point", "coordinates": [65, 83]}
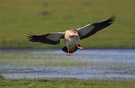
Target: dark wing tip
{"type": "Point", "coordinates": [112, 19]}
{"type": "Point", "coordinates": [31, 38]}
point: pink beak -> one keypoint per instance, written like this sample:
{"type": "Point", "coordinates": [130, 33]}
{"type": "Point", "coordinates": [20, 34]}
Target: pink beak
{"type": "Point", "coordinates": [75, 33]}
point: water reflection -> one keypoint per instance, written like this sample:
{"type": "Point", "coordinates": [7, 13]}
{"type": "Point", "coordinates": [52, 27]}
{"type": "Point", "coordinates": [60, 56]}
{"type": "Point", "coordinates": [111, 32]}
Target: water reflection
{"type": "Point", "coordinates": [86, 64]}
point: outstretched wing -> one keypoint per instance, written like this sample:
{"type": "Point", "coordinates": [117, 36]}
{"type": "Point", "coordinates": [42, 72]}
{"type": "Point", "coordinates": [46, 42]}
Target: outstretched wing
{"type": "Point", "coordinates": [50, 38]}
{"type": "Point", "coordinates": [91, 29]}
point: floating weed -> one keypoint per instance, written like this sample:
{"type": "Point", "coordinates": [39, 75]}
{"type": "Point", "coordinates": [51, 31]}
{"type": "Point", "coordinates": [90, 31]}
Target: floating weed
{"type": "Point", "coordinates": [44, 59]}
{"type": "Point", "coordinates": [3, 61]}
{"type": "Point", "coordinates": [28, 59]}
{"type": "Point", "coordinates": [49, 62]}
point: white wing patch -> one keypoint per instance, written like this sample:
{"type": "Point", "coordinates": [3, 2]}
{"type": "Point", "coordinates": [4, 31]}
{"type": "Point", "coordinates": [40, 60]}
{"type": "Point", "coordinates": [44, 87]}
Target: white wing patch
{"type": "Point", "coordinates": [86, 29]}
{"type": "Point", "coordinates": [55, 36]}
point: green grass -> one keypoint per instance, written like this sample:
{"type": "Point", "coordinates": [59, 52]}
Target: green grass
{"type": "Point", "coordinates": [65, 83]}
{"type": "Point", "coordinates": [18, 18]}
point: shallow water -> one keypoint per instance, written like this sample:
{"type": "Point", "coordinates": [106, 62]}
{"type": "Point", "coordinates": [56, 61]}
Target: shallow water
{"type": "Point", "coordinates": [85, 64]}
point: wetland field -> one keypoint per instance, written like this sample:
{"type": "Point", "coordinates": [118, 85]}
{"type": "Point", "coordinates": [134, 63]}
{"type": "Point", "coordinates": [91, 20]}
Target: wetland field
{"type": "Point", "coordinates": [108, 60]}
{"type": "Point", "coordinates": [107, 68]}
{"type": "Point", "coordinates": [86, 64]}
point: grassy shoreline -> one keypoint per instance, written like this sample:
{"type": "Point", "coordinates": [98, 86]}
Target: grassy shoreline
{"type": "Point", "coordinates": [65, 83]}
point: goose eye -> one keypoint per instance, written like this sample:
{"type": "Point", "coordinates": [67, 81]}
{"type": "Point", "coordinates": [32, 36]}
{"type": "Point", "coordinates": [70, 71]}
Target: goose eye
{"type": "Point", "coordinates": [75, 32]}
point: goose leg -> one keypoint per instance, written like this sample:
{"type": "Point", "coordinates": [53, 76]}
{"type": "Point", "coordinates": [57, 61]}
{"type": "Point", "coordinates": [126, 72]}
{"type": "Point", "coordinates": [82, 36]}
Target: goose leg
{"type": "Point", "coordinates": [68, 54]}
{"type": "Point", "coordinates": [81, 48]}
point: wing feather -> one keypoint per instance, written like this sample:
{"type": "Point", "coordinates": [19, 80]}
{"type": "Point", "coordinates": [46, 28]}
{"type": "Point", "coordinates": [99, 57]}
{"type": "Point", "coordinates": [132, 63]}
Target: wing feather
{"type": "Point", "coordinates": [91, 29]}
{"type": "Point", "coordinates": [50, 38]}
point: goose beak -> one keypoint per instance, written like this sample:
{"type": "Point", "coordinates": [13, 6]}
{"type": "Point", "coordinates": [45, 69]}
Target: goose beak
{"type": "Point", "coordinates": [75, 33]}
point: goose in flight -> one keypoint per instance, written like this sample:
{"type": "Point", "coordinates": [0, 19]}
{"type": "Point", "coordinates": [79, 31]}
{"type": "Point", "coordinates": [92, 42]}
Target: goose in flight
{"type": "Point", "coordinates": [71, 36]}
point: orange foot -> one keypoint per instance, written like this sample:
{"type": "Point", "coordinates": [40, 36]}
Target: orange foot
{"type": "Point", "coordinates": [81, 48]}
{"type": "Point", "coordinates": [68, 54]}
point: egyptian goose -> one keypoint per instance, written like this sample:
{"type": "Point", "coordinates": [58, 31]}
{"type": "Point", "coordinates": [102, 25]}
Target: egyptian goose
{"type": "Point", "coordinates": [71, 36]}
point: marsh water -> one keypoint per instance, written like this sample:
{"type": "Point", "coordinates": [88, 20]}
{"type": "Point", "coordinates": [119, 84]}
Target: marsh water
{"type": "Point", "coordinates": [84, 64]}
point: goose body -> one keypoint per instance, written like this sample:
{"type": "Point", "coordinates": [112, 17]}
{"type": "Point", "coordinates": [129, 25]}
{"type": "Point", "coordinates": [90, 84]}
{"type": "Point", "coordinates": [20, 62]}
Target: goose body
{"type": "Point", "coordinates": [71, 41]}
{"type": "Point", "coordinates": [71, 37]}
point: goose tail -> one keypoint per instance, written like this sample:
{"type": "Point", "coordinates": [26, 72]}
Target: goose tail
{"type": "Point", "coordinates": [72, 50]}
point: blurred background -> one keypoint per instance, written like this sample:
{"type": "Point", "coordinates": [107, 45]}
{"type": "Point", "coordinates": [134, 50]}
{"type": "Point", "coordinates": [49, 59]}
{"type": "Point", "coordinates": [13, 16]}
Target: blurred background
{"type": "Point", "coordinates": [19, 18]}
